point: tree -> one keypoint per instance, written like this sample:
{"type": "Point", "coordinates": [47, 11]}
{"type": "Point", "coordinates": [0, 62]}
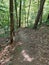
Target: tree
{"type": "Point", "coordinates": [28, 11]}
{"type": "Point", "coordinates": [20, 13]}
{"type": "Point", "coordinates": [47, 18]}
{"type": "Point", "coordinates": [40, 20]}
{"type": "Point", "coordinates": [11, 22]}
{"type": "Point", "coordinates": [39, 13]}
{"type": "Point", "coordinates": [15, 2]}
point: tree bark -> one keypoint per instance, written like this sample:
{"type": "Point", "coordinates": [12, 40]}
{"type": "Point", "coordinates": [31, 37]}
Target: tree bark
{"type": "Point", "coordinates": [15, 2]}
{"type": "Point", "coordinates": [28, 11]}
{"type": "Point", "coordinates": [39, 13]}
{"type": "Point", "coordinates": [47, 18]}
{"type": "Point", "coordinates": [20, 14]}
{"type": "Point", "coordinates": [40, 20]}
{"type": "Point", "coordinates": [11, 22]}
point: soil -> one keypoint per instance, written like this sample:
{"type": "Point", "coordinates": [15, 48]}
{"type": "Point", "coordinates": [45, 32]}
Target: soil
{"type": "Point", "coordinates": [31, 47]}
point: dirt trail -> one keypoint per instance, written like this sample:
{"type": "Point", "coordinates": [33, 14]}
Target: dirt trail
{"type": "Point", "coordinates": [32, 47]}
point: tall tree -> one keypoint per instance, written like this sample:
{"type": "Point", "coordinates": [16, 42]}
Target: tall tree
{"type": "Point", "coordinates": [16, 11]}
{"type": "Point", "coordinates": [40, 20]}
{"type": "Point", "coordinates": [20, 13]}
{"type": "Point", "coordinates": [24, 14]}
{"type": "Point", "coordinates": [39, 13]}
{"type": "Point", "coordinates": [11, 22]}
{"type": "Point", "coordinates": [38, 3]}
{"type": "Point", "coordinates": [47, 18]}
{"type": "Point", "coordinates": [28, 11]}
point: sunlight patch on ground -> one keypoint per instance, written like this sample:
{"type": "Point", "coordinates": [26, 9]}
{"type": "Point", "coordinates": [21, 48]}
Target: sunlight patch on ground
{"type": "Point", "coordinates": [26, 56]}
{"type": "Point", "coordinates": [20, 43]}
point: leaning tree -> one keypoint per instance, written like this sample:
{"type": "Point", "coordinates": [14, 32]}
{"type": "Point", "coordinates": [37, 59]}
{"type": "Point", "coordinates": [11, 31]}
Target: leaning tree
{"type": "Point", "coordinates": [39, 14]}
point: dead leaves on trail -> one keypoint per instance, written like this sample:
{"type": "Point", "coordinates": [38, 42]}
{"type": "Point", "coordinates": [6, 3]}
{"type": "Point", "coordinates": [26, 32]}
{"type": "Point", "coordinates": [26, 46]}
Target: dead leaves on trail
{"type": "Point", "coordinates": [5, 54]}
{"type": "Point", "coordinates": [32, 48]}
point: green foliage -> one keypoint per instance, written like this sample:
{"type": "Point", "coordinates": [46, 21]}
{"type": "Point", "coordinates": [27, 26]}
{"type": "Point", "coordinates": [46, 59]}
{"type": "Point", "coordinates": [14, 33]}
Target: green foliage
{"type": "Point", "coordinates": [4, 12]}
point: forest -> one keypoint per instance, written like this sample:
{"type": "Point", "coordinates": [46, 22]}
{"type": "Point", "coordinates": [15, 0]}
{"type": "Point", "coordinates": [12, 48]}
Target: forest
{"type": "Point", "coordinates": [24, 32]}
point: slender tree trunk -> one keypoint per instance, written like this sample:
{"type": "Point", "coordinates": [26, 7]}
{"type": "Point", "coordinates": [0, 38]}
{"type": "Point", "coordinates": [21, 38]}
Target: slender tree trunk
{"type": "Point", "coordinates": [40, 20]}
{"type": "Point", "coordinates": [47, 18]}
{"type": "Point", "coordinates": [24, 8]}
{"type": "Point", "coordinates": [15, 1]}
{"type": "Point", "coordinates": [38, 3]}
{"type": "Point", "coordinates": [11, 22]}
{"type": "Point", "coordinates": [20, 14]}
{"type": "Point", "coordinates": [25, 16]}
{"type": "Point", "coordinates": [39, 13]}
{"type": "Point", "coordinates": [28, 11]}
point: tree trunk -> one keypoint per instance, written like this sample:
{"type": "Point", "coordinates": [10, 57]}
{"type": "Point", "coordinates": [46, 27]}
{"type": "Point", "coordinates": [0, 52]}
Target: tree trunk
{"type": "Point", "coordinates": [47, 18]}
{"type": "Point", "coordinates": [28, 11]}
{"type": "Point", "coordinates": [39, 13]}
{"type": "Point", "coordinates": [20, 14]}
{"type": "Point", "coordinates": [15, 2]}
{"type": "Point", "coordinates": [40, 20]}
{"type": "Point", "coordinates": [11, 22]}
{"type": "Point", "coordinates": [38, 3]}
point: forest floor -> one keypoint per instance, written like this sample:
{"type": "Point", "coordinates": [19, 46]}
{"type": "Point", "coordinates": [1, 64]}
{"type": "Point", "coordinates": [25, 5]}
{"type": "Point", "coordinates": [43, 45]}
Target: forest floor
{"type": "Point", "coordinates": [30, 48]}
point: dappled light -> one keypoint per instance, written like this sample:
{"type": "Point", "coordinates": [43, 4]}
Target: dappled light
{"type": "Point", "coordinates": [20, 43]}
{"type": "Point", "coordinates": [26, 56]}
